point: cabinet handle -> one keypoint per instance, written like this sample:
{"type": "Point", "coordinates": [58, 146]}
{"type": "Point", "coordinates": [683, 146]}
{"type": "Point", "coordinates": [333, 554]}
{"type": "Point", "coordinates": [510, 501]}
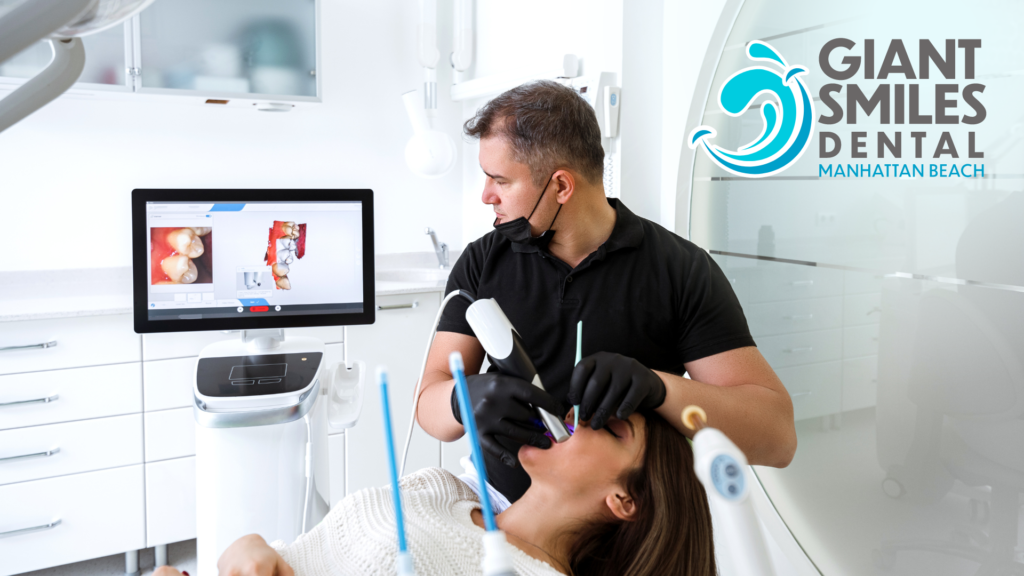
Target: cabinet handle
{"type": "Point", "coordinates": [47, 453]}
{"type": "Point", "coordinates": [49, 344]}
{"type": "Point", "coordinates": [53, 524]}
{"type": "Point", "coordinates": [799, 394]}
{"type": "Point", "coordinates": [801, 349]}
{"type": "Point", "coordinates": [801, 283]}
{"type": "Point", "coordinates": [45, 400]}
{"type": "Point", "coordinates": [413, 304]}
{"type": "Point", "coordinates": [800, 317]}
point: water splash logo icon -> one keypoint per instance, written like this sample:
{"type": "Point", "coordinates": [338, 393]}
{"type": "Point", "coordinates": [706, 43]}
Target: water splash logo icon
{"type": "Point", "coordinates": [788, 117]}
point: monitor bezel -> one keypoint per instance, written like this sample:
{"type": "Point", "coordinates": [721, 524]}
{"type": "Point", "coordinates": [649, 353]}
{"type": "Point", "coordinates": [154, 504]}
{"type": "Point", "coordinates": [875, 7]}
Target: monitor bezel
{"type": "Point", "coordinates": [140, 266]}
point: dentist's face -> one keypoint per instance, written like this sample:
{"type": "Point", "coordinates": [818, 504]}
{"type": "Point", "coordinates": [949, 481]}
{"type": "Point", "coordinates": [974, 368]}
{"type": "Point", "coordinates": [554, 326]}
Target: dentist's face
{"type": "Point", "coordinates": [509, 186]}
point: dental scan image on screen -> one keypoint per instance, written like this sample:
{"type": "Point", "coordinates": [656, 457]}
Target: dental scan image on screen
{"type": "Point", "coordinates": [271, 258]}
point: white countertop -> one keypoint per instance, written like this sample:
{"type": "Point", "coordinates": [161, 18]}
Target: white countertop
{"type": "Point", "coordinates": [38, 295]}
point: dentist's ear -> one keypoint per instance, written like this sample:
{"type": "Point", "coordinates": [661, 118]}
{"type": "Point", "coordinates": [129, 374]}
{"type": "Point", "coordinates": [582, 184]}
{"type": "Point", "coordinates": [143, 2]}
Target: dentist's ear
{"type": "Point", "coordinates": [565, 182]}
{"type": "Point", "coordinates": [622, 506]}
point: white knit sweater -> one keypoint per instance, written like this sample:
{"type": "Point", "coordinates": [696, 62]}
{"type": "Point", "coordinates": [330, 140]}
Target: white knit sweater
{"type": "Point", "coordinates": [358, 537]}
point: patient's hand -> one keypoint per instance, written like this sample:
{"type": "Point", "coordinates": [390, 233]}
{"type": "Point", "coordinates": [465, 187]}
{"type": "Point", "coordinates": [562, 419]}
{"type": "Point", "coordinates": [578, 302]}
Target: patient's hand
{"type": "Point", "coordinates": [252, 556]}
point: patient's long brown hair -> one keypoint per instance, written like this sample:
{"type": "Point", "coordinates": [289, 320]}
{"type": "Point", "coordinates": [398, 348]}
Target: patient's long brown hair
{"type": "Point", "coordinates": [671, 533]}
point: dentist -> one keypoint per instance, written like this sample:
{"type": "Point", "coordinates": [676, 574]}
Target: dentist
{"type": "Point", "coordinates": [653, 305]}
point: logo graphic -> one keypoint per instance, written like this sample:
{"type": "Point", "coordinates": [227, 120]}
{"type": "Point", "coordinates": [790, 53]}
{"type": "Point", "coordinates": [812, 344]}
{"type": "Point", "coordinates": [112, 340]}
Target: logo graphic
{"type": "Point", "coordinates": [788, 118]}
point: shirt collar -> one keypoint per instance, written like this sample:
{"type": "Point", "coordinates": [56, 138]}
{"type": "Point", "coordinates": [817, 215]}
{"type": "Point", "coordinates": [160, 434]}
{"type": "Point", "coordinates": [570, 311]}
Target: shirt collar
{"type": "Point", "coordinates": [627, 233]}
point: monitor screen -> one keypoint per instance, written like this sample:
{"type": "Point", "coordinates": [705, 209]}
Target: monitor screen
{"type": "Point", "coordinates": [216, 260]}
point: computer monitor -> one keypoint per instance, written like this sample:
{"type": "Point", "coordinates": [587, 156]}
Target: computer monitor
{"type": "Point", "coordinates": [251, 259]}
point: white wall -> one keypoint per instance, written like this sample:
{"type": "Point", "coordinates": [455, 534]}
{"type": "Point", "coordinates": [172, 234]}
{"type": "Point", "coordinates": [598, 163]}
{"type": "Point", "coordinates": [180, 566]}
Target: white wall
{"type": "Point", "coordinates": [532, 36]}
{"type": "Point", "coordinates": [66, 172]}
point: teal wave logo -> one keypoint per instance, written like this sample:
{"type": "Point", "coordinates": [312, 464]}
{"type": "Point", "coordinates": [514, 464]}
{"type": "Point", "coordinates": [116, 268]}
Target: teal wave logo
{"type": "Point", "coordinates": [788, 116]}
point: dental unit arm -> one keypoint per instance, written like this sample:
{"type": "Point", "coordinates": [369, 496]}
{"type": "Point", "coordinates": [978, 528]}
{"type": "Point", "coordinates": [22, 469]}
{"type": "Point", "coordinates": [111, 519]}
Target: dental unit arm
{"type": "Point", "coordinates": [722, 468]}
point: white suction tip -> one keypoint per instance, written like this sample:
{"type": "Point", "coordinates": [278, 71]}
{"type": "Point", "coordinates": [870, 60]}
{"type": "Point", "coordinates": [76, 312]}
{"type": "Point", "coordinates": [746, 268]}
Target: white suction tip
{"type": "Point", "coordinates": [455, 362]}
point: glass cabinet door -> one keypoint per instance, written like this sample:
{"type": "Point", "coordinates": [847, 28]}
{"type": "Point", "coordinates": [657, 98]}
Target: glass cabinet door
{"type": "Point", "coordinates": [230, 47]}
{"type": "Point", "coordinates": [104, 59]}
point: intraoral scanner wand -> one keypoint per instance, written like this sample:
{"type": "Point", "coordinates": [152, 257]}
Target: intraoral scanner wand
{"type": "Point", "coordinates": [505, 349]}
{"type": "Point", "coordinates": [404, 560]}
{"type": "Point", "coordinates": [497, 561]}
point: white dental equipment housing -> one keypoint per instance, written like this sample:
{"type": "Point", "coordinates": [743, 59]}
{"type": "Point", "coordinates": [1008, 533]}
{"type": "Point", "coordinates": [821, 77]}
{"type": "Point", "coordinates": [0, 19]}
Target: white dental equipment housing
{"type": "Point", "coordinates": [262, 402]}
{"type": "Point", "coordinates": [722, 468]}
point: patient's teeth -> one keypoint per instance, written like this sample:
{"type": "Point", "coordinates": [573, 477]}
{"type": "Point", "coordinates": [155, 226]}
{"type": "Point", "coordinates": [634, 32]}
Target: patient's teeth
{"type": "Point", "coordinates": [283, 283]}
{"type": "Point", "coordinates": [186, 242]}
{"type": "Point", "coordinates": [179, 269]}
{"type": "Point", "coordinates": [201, 231]}
{"type": "Point", "coordinates": [285, 256]}
{"type": "Point", "coordinates": [280, 269]}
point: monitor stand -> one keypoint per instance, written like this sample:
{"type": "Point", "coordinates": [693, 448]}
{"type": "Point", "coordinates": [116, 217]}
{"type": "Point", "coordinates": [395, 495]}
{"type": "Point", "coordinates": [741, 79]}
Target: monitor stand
{"type": "Point", "coordinates": [258, 341]}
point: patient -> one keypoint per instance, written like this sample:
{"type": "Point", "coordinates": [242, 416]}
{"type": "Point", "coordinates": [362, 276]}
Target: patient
{"type": "Point", "coordinates": [623, 500]}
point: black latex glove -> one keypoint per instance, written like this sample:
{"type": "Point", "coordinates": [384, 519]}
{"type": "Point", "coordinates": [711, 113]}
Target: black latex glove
{"type": "Point", "coordinates": [504, 408]}
{"type": "Point", "coordinates": [606, 384]}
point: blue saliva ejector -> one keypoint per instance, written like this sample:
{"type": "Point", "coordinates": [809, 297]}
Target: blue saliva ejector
{"type": "Point", "coordinates": [497, 560]}
{"type": "Point", "coordinates": [404, 560]}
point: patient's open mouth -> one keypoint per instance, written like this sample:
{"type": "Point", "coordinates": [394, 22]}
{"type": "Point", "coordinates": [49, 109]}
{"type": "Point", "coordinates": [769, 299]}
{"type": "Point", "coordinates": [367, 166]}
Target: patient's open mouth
{"type": "Point", "coordinates": [181, 255]}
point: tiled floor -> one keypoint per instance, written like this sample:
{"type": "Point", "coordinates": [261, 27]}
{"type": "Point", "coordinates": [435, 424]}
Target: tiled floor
{"type": "Point", "coordinates": [181, 555]}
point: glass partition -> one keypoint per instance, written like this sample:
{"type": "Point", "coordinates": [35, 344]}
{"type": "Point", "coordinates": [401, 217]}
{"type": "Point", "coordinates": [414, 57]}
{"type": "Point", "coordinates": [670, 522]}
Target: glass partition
{"type": "Point", "coordinates": [230, 46]}
{"type": "Point", "coordinates": [891, 306]}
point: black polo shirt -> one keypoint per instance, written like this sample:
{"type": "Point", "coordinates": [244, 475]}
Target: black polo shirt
{"type": "Point", "coordinates": [645, 293]}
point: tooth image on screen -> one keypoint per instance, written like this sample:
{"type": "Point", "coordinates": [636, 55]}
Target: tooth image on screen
{"type": "Point", "coordinates": [181, 255]}
{"type": "Point", "coordinates": [286, 244]}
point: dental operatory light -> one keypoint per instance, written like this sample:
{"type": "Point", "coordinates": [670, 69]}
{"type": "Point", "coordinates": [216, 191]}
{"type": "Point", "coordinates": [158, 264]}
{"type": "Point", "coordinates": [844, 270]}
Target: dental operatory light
{"type": "Point", "coordinates": [431, 153]}
{"type": "Point", "coordinates": [63, 22]}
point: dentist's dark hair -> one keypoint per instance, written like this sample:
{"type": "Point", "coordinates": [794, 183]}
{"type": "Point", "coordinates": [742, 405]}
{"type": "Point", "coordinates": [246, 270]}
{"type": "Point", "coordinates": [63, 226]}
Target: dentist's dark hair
{"type": "Point", "coordinates": [549, 127]}
{"type": "Point", "coordinates": [671, 532]}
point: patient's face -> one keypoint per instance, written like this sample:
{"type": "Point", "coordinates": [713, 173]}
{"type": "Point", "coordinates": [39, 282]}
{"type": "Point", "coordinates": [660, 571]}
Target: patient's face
{"type": "Point", "coordinates": [591, 462]}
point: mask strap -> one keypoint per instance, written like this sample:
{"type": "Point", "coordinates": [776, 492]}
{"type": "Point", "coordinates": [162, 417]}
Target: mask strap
{"type": "Point", "coordinates": [541, 197]}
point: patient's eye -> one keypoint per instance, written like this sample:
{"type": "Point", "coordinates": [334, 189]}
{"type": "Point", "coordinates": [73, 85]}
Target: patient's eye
{"type": "Point", "coordinates": [610, 431]}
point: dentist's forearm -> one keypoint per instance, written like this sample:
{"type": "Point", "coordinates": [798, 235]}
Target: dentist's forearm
{"type": "Point", "coordinates": [757, 419]}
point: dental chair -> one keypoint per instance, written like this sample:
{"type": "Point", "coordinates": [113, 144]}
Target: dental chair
{"type": "Point", "coordinates": [967, 384]}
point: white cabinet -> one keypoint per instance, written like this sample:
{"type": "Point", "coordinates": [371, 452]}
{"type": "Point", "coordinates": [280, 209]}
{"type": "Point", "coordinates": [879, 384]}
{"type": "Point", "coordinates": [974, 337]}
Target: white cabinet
{"type": "Point", "coordinates": [52, 396]}
{"type": "Point", "coordinates": [230, 47]}
{"type": "Point", "coordinates": [170, 501]}
{"type": "Point", "coordinates": [69, 448]}
{"type": "Point", "coordinates": [396, 340]}
{"type": "Point", "coordinates": [89, 341]}
{"type": "Point", "coordinates": [264, 49]}
{"type": "Point", "coordinates": [75, 517]}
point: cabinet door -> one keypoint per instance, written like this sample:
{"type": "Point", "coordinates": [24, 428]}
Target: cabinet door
{"type": "Point", "coordinates": [230, 47]}
{"type": "Point", "coordinates": [397, 341]}
{"type": "Point", "coordinates": [104, 62]}
{"type": "Point", "coordinates": [170, 501]}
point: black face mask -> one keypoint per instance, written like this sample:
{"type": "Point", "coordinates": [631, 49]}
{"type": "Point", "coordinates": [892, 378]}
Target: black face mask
{"type": "Point", "coordinates": [518, 230]}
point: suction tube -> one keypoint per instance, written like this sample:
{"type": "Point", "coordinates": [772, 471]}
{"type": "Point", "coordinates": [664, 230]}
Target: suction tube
{"type": "Point", "coordinates": [423, 369]}
{"type": "Point", "coordinates": [497, 561]}
{"type": "Point", "coordinates": [404, 560]}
